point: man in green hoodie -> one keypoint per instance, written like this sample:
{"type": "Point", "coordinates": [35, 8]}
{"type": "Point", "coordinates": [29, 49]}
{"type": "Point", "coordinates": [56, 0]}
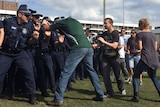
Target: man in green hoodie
{"type": "Point", "coordinates": [80, 51]}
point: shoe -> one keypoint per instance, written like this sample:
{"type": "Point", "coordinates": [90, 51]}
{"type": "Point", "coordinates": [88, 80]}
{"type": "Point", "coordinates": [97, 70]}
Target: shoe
{"type": "Point", "coordinates": [9, 97]}
{"type": "Point", "coordinates": [45, 94]}
{"type": "Point", "coordinates": [98, 98]}
{"type": "Point", "coordinates": [159, 92]}
{"type": "Point", "coordinates": [135, 99]}
{"type": "Point", "coordinates": [126, 80]}
{"type": "Point", "coordinates": [32, 99]}
{"type": "Point", "coordinates": [130, 81]}
{"type": "Point", "coordinates": [108, 96]}
{"type": "Point", "coordinates": [141, 83]}
{"type": "Point", "coordinates": [123, 92]}
{"type": "Point", "coordinates": [55, 103]}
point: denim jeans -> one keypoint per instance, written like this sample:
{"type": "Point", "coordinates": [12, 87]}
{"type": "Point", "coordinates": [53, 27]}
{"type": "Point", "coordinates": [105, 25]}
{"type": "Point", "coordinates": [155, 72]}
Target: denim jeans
{"type": "Point", "coordinates": [133, 61]}
{"type": "Point", "coordinates": [75, 57]}
{"type": "Point", "coordinates": [151, 72]}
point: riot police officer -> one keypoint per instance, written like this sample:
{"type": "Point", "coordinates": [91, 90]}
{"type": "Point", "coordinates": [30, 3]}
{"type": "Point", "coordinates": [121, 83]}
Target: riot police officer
{"type": "Point", "coordinates": [19, 34]}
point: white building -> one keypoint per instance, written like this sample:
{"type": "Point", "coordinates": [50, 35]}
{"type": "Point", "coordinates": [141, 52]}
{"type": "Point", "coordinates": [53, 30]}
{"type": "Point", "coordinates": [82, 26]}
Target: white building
{"type": "Point", "coordinates": [8, 8]}
{"type": "Point", "coordinates": [97, 26]}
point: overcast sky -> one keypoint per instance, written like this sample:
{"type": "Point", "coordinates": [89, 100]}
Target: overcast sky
{"type": "Point", "coordinates": [93, 9]}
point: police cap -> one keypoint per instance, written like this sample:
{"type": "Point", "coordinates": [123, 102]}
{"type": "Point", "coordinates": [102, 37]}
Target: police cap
{"type": "Point", "coordinates": [24, 9]}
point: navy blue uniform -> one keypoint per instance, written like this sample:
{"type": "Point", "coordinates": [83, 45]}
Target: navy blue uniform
{"type": "Point", "coordinates": [14, 51]}
{"type": "Point", "coordinates": [1, 24]}
{"type": "Point", "coordinates": [44, 66]}
{"type": "Point", "coordinates": [59, 54]}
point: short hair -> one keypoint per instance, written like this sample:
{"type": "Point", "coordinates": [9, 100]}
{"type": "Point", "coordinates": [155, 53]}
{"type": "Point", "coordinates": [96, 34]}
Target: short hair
{"type": "Point", "coordinates": [110, 20]}
{"type": "Point", "coordinates": [144, 23]}
{"type": "Point", "coordinates": [123, 29]}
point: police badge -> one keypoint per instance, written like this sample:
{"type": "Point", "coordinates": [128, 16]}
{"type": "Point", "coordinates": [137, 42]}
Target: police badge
{"type": "Point", "coordinates": [24, 30]}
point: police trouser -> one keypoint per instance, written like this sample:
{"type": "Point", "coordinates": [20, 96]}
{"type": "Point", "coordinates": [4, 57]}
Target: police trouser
{"type": "Point", "coordinates": [23, 61]}
{"type": "Point", "coordinates": [45, 72]}
{"type": "Point", "coordinates": [59, 58]}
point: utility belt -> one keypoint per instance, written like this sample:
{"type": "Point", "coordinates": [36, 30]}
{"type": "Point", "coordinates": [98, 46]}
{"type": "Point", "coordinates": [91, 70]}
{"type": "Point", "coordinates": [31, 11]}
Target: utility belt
{"type": "Point", "coordinates": [59, 50]}
{"type": "Point", "coordinates": [46, 50]}
{"type": "Point", "coordinates": [12, 51]}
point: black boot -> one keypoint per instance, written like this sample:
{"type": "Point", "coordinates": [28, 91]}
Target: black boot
{"type": "Point", "coordinates": [159, 92]}
{"type": "Point", "coordinates": [32, 99]}
{"type": "Point", "coordinates": [135, 98]}
{"type": "Point", "coordinates": [45, 94]}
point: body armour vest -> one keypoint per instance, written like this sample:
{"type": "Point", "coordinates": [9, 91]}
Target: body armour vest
{"type": "Point", "coordinates": [16, 35]}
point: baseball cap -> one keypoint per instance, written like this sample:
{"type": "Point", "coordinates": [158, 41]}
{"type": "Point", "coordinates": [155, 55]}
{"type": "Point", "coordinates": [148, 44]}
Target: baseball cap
{"type": "Point", "coordinates": [47, 18]}
{"type": "Point", "coordinates": [24, 9]}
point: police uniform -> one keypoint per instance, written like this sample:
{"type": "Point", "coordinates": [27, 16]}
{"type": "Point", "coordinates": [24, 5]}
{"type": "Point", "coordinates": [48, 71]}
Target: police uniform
{"type": "Point", "coordinates": [59, 54]}
{"type": "Point", "coordinates": [14, 50]}
{"type": "Point", "coordinates": [45, 66]}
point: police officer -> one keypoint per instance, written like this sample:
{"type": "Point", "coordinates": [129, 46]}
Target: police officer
{"type": "Point", "coordinates": [35, 19]}
{"type": "Point", "coordinates": [1, 33]}
{"type": "Point", "coordinates": [60, 51]}
{"type": "Point", "coordinates": [18, 35]}
{"type": "Point", "coordinates": [44, 64]}
{"type": "Point", "coordinates": [1, 41]}
{"type": "Point", "coordinates": [15, 82]}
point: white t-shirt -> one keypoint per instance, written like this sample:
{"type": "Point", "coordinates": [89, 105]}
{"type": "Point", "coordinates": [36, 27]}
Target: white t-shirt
{"type": "Point", "coordinates": [121, 51]}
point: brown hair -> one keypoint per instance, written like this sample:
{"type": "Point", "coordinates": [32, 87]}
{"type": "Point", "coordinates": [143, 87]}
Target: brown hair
{"type": "Point", "coordinates": [133, 30]}
{"type": "Point", "coordinates": [110, 20]}
{"type": "Point", "coordinates": [144, 23]}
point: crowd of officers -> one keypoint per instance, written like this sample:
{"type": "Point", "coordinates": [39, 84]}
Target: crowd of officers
{"type": "Point", "coordinates": [29, 59]}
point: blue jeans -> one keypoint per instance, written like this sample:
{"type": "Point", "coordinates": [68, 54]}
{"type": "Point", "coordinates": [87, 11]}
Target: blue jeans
{"type": "Point", "coordinates": [151, 72]}
{"type": "Point", "coordinates": [133, 60]}
{"type": "Point", "coordinates": [75, 57]}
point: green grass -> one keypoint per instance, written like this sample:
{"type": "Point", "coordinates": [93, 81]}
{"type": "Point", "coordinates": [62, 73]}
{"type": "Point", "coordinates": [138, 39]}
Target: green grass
{"type": "Point", "coordinates": [82, 93]}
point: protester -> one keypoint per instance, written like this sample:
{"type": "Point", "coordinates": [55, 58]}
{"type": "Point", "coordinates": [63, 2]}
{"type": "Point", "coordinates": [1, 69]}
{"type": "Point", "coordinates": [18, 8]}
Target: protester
{"type": "Point", "coordinates": [133, 55]}
{"type": "Point", "coordinates": [109, 43]}
{"type": "Point", "coordinates": [80, 51]}
{"type": "Point", "coordinates": [149, 58]}
{"type": "Point", "coordinates": [122, 52]}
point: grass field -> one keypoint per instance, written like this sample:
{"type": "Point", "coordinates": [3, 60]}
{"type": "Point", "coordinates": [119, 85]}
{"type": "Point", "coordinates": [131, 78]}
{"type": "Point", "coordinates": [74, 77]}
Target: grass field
{"type": "Point", "coordinates": [82, 93]}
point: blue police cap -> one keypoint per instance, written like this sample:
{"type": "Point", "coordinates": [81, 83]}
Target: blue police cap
{"type": "Point", "coordinates": [37, 14]}
{"type": "Point", "coordinates": [32, 11]}
{"type": "Point", "coordinates": [24, 9]}
{"type": "Point", "coordinates": [47, 18]}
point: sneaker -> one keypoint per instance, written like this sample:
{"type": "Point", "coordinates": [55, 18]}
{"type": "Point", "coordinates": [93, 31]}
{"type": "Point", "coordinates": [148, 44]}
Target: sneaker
{"type": "Point", "coordinates": [107, 96]}
{"type": "Point", "coordinates": [126, 80]}
{"type": "Point", "coordinates": [141, 83]}
{"type": "Point", "coordinates": [123, 92]}
{"type": "Point", "coordinates": [130, 81]}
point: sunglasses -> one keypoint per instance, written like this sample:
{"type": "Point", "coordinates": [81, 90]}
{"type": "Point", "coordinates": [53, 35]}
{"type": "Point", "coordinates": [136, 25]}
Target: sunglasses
{"type": "Point", "coordinates": [27, 15]}
{"type": "Point", "coordinates": [133, 32]}
{"type": "Point", "coordinates": [36, 16]}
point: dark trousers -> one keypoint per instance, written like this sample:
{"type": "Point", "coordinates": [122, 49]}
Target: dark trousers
{"type": "Point", "coordinates": [59, 58]}
{"type": "Point", "coordinates": [24, 62]}
{"type": "Point", "coordinates": [45, 72]}
{"type": "Point", "coordinates": [107, 63]}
